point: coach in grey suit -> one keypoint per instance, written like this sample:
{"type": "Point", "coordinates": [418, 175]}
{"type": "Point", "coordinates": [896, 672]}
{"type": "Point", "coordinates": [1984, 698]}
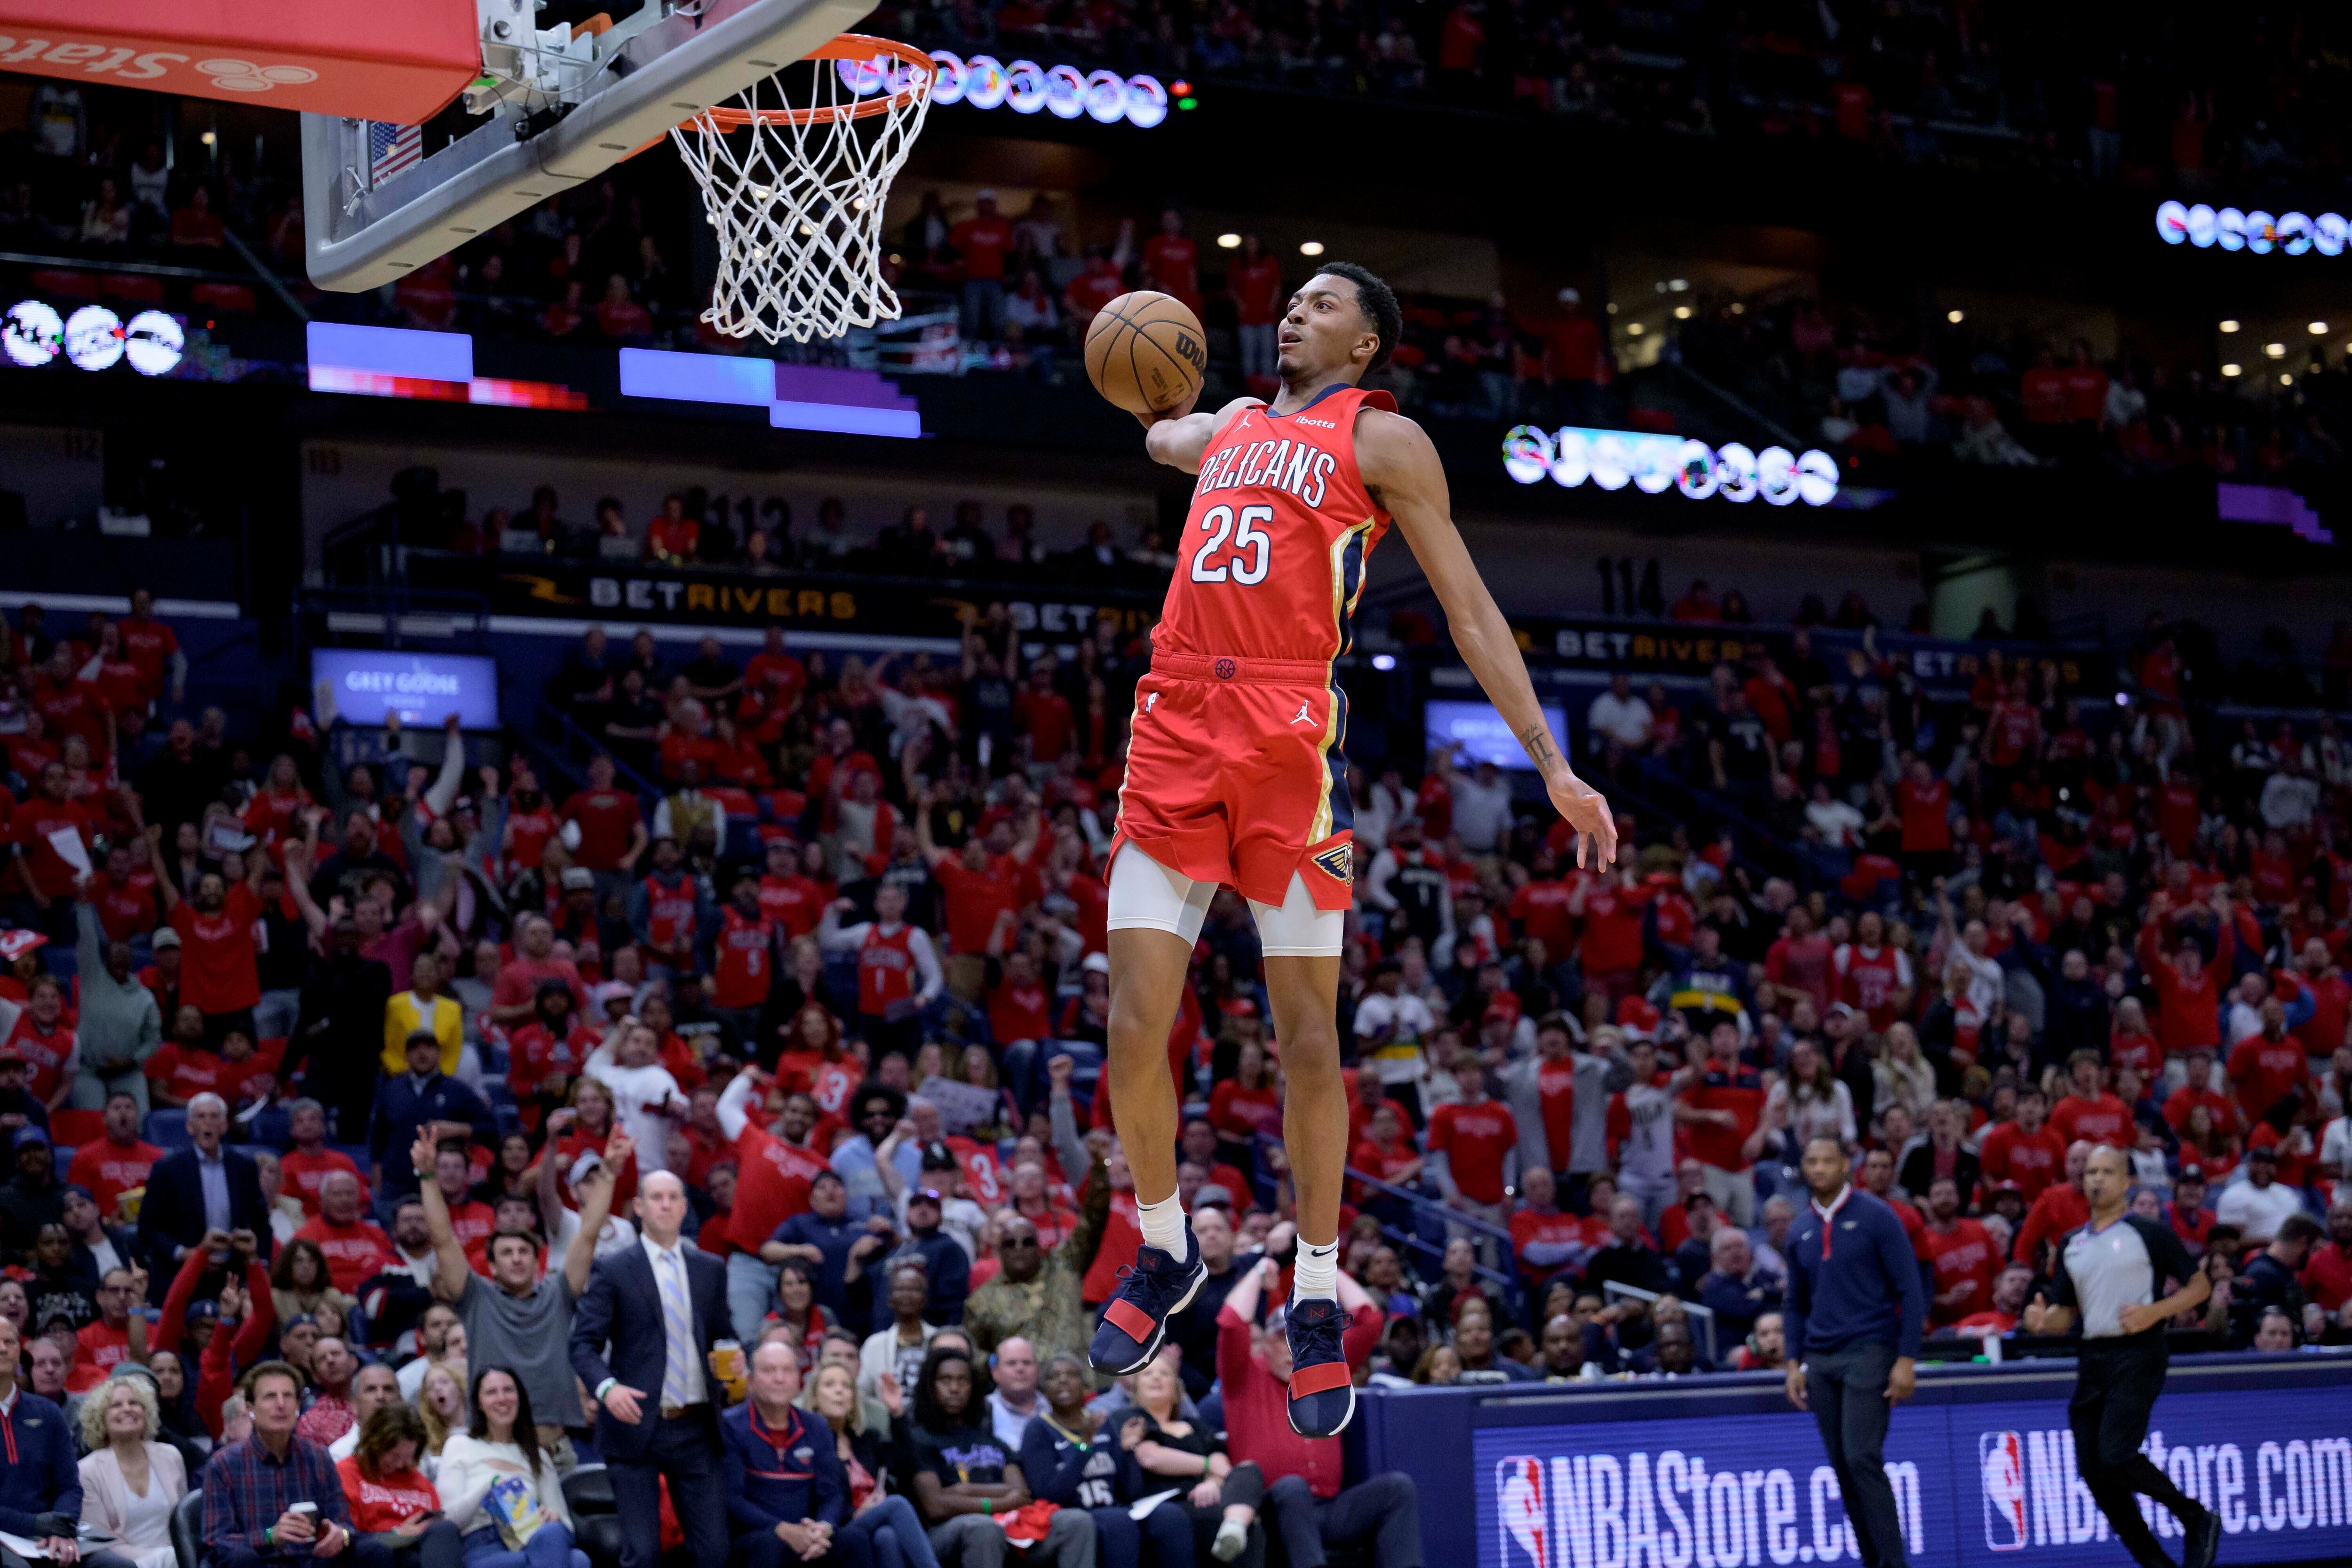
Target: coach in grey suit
{"type": "Point", "coordinates": [641, 1341]}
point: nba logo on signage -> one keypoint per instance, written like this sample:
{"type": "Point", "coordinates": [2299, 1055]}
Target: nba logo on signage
{"type": "Point", "coordinates": [2000, 1458]}
{"type": "Point", "coordinates": [1526, 1511]}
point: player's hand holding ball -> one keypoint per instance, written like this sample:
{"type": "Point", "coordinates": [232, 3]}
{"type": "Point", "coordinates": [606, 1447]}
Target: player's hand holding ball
{"type": "Point", "coordinates": [1146, 352]}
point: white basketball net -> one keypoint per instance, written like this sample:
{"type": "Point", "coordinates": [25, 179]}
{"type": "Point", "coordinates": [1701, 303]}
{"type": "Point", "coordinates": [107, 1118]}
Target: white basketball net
{"type": "Point", "coordinates": [793, 180]}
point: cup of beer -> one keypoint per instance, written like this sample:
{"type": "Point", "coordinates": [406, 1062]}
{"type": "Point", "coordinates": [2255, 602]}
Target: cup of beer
{"type": "Point", "coordinates": [729, 1366]}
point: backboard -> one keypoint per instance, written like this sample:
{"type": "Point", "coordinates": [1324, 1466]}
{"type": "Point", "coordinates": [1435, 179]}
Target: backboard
{"type": "Point", "coordinates": [557, 109]}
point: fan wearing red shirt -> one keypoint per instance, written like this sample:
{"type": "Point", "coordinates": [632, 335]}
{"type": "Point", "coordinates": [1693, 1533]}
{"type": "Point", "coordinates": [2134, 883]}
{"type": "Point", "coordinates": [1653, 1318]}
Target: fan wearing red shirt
{"type": "Point", "coordinates": [983, 240]}
{"type": "Point", "coordinates": [1611, 951]}
{"type": "Point", "coordinates": [70, 706]}
{"type": "Point", "coordinates": [1171, 262]}
{"type": "Point", "coordinates": [1018, 1003]}
{"type": "Point", "coordinates": [1799, 962]}
{"type": "Point", "coordinates": [2026, 1151]}
{"type": "Point", "coordinates": [152, 645]}
{"type": "Point", "coordinates": [2327, 1273]}
{"type": "Point", "coordinates": [611, 826]}
{"type": "Point", "coordinates": [306, 1167]}
{"type": "Point", "coordinates": [1043, 715]}
{"type": "Point", "coordinates": [1253, 1371]}
{"type": "Point", "coordinates": [2088, 1113]}
{"type": "Point", "coordinates": [773, 681]}
{"type": "Point", "coordinates": [217, 974]}
{"type": "Point", "coordinates": [1247, 1104]}
{"type": "Point", "coordinates": [1721, 1110]}
{"type": "Point", "coordinates": [1924, 803]}
{"type": "Point", "coordinates": [113, 1164]}
{"type": "Point", "coordinates": [2270, 1071]}
{"type": "Point", "coordinates": [1541, 908]}
{"type": "Point", "coordinates": [1962, 1254]}
{"type": "Point", "coordinates": [982, 892]}
{"type": "Point", "coordinates": [2188, 994]}
{"type": "Point", "coordinates": [545, 1055]}
{"type": "Point", "coordinates": [2197, 1091]}
{"type": "Point", "coordinates": [356, 1249]}
{"type": "Point", "coordinates": [743, 956]}
{"type": "Point", "coordinates": [40, 869]}
{"type": "Point", "coordinates": [1386, 1153]}
{"type": "Point", "coordinates": [1872, 977]}
{"type": "Point", "coordinates": [1476, 1135]}
{"type": "Point", "coordinates": [124, 894]}
{"type": "Point", "coordinates": [40, 1035]}
{"type": "Point", "coordinates": [1254, 279]}
{"type": "Point", "coordinates": [792, 898]}
{"type": "Point", "coordinates": [2061, 1208]}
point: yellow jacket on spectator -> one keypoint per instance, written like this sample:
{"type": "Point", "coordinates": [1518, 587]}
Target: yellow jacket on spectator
{"type": "Point", "coordinates": [408, 1013]}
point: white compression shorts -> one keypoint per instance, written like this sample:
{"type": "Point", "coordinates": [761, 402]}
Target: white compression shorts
{"type": "Point", "coordinates": [1144, 893]}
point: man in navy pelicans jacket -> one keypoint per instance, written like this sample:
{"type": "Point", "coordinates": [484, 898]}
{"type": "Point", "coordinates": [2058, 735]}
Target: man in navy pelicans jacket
{"type": "Point", "coordinates": [786, 1489]}
{"type": "Point", "coordinates": [1854, 1316]}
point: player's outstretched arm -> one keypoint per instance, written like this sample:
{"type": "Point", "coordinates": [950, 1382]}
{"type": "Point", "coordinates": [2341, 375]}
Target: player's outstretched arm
{"type": "Point", "coordinates": [1400, 468]}
{"type": "Point", "coordinates": [1177, 436]}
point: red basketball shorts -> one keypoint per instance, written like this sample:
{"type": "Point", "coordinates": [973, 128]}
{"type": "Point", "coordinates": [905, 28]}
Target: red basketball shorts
{"type": "Point", "coordinates": [1235, 775]}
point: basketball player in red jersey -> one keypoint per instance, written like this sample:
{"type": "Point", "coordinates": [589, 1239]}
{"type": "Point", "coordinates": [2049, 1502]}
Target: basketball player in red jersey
{"type": "Point", "coordinates": [1235, 776]}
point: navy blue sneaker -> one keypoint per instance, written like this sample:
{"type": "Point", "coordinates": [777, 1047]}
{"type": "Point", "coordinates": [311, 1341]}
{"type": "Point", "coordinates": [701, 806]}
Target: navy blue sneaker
{"type": "Point", "coordinates": [1322, 1390]}
{"type": "Point", "coordinates": [1150, 1291]}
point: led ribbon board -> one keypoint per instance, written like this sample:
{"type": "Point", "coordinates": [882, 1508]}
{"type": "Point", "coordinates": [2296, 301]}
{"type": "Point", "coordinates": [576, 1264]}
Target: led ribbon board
{"type": "Point", "coordinates": [1025, 87]}
{"type": "Point", "coordinates": [1651, 464]}
{"type": "Point", "coordinates": [2258, 232]}
{"type": "Point", "coordinates": [93, 338]}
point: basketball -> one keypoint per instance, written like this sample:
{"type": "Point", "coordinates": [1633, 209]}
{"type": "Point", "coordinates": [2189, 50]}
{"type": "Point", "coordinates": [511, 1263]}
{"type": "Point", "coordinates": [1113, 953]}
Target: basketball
{"type": "Point", "coordinates": [1146, 352]}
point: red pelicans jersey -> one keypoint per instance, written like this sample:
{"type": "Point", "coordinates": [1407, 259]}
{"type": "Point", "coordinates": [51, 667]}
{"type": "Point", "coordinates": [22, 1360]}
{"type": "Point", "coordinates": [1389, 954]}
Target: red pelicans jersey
{"type": "Point", "coordinates": [1235, 772]}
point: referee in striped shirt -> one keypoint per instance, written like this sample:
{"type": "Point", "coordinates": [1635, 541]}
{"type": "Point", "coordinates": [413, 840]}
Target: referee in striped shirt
{"type": "Point", "coordinates": [2109, 1271]}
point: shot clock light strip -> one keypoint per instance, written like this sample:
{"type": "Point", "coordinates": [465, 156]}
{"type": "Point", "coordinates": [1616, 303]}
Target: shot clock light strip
{"type": "Point", "coordinates": [1614, 459]}
{"type": "Point", "coordinates": [2258, 232]}
{"type": "Point", "coordinates": [1025, 87]}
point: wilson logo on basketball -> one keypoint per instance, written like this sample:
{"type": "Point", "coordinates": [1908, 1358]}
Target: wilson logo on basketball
{"type": "Point", "coordinates": [1192, 351]}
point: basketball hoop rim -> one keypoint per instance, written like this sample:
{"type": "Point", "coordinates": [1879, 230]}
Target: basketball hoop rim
{"type": "Point", "coordinates": [841, 47]}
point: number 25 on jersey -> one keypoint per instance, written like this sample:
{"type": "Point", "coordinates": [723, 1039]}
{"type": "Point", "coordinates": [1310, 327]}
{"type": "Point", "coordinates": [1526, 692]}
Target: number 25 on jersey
{"type": "Point", "coordinates": [1252, 551]}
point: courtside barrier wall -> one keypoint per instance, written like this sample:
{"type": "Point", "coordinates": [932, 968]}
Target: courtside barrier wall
{"type": "Point", "coordinates": [1720, 1472]}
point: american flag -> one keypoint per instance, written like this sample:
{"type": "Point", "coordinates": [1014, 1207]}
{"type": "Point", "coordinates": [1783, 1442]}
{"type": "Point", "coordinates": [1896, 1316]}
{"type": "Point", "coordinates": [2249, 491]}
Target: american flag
{"type": "Point", "coordinates": [392, 148]}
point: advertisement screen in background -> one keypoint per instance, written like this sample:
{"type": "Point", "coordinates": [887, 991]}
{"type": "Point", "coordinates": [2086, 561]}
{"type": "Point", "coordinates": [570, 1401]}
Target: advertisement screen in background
{"type": "Point", "coordinates": [1479, 734]}
{"type": "Point", "coordinates": [1975, 1485]}
{"type": "Point", "coordinates": [369, 683]}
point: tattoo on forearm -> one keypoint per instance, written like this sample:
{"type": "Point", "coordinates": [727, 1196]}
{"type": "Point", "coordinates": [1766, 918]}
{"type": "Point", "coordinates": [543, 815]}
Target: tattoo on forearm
{"type": "Point", "coordinates": [1536, 738]}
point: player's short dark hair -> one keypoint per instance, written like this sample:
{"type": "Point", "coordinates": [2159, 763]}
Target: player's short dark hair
{"type": "Point", "coordinates": [1377, 301]}
{"type": "Point", "coordinates": [2298, 1227]}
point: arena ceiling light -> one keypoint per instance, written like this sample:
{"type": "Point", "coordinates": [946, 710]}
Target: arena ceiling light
{"type": "Point", "coordinates": [1229, 242]}
{"type": "Point", "coordinates": [2230, 326]}
{"type": "Point", "coordinates": [2234, 370]}
{"type": "Point", "coordinates": [2274, 350]}
{"type": "Point", "coordinates": [1682, 312]}
{"type": "Point", "coordinates": [2317, 329]}
{"type": "Point", "coordinates": [1651, 464]}
{"type": "Point", "coordinates": [1312, 247]}
{"type": "Point", "coordinates": [2256, 232]}
{"type": "Point", "coordinates": [1956, 317]}
{"type": "Point", "coordinates": [1066, 92]}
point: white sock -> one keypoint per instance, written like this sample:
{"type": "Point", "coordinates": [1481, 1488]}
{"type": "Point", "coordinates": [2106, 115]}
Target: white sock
{"type": "Point", "coordinates": [1318, 1274]}
{"type": "Point", "coordinates": [1163, 1225]}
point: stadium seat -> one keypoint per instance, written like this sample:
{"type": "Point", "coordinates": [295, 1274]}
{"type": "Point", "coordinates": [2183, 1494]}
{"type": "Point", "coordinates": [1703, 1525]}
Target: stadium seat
{"type": "Point", "coordinates": [167, 1129]}
{"type": "Point", "coordinates": [187, 1524]}
{"type": "Point", "coordinates": [136, 287]}
{"type": "Point", "coordinates": [226, 297]}
{"type": "Point", "coordinates": [58, 280]}
{"type": "Point", "coordinates": [596, 1524]}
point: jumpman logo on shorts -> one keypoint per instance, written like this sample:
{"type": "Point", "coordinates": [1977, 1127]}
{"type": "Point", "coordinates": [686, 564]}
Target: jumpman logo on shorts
{"type": "Point", "coordinates": [1149, 699]}
{"type": "Point", "coordinates": [1304, 716]}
